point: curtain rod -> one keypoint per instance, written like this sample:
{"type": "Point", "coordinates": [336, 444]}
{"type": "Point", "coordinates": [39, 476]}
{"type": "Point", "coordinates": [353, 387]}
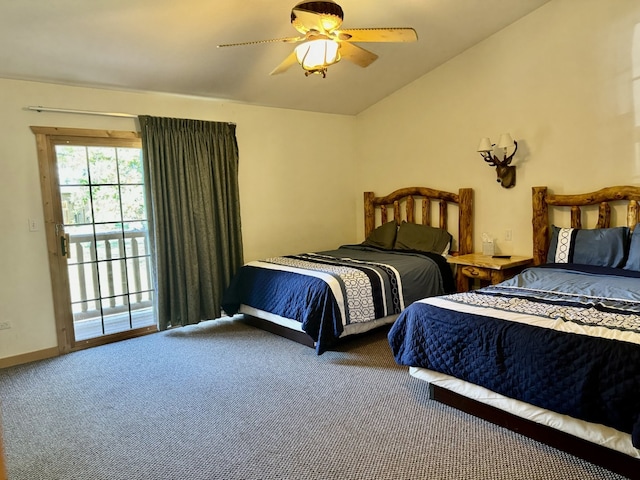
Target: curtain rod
{"type": "Point", "coordinates": [87, 112]}
{"type": "Point", "coordinates": [84, 112]}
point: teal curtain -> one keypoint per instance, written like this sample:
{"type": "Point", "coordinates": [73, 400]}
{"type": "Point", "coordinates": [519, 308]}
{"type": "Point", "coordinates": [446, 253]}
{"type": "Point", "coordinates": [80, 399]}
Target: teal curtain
{"type": "Point", "coordinates": [191, 173]}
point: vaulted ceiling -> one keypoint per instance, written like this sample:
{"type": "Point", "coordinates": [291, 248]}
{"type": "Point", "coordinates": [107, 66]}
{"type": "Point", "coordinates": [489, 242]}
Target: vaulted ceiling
{"type": "Point", "coordinates": [171, 46]}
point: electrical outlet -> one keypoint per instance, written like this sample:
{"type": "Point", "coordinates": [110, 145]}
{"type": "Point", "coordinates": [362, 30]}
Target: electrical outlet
{"type": "Point", "coordinates": [508, 235]}
{"type": "Point", "coordinates": [5, 325]}
{"type": "Point", "coordinates": [33, 225]}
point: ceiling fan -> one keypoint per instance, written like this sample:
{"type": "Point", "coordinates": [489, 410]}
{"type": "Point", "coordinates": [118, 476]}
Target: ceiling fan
{"type": "Point", "coordinates": [322, 43]}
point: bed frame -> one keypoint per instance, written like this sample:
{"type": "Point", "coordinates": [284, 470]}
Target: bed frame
{"type": "Point", "coordinates": [411, 204]}
{"type": "Point", "coordinates": [542, 201]}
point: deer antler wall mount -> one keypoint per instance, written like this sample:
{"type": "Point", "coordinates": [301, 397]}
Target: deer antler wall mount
{"type": "Point", "coordinates": [505, 171]}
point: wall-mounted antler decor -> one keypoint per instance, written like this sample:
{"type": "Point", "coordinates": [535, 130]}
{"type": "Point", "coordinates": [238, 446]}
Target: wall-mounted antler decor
{"type": "Point", "coordinates": [506, 172]}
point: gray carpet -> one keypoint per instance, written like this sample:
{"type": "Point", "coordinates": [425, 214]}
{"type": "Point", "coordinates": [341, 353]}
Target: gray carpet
{"type": "Point", "coordinates": [223, 400]}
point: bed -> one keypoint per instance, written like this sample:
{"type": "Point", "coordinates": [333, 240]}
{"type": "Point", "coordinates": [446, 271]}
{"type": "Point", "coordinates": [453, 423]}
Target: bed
{"type": "Point", "coordinates": [320, 298]}
{"type": "Point", "coordinates": [554, 352]}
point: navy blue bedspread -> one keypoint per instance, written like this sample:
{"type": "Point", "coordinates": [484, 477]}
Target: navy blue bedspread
{"type": "Point", "coordinates": [311, 301]}
{"type": "Point", "coordinates": [315, 303]}
{"type": "Point", "coordinates": [587, 377]}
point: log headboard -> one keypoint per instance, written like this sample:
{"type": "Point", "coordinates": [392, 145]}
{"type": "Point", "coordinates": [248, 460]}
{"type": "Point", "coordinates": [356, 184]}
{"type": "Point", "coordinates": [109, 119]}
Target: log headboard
{"type": "Point", "coordinates": [402, 203]}
{"type": "Point", "coordinates": [605, 198]}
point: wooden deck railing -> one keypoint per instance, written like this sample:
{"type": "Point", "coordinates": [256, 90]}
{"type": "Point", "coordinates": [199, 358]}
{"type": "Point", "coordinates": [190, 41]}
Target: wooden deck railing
{"type": "Point", "coordinates": [123, 284]}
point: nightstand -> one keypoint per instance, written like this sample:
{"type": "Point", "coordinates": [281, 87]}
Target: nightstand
{"type": "Point", "coordinates": [487, 269]}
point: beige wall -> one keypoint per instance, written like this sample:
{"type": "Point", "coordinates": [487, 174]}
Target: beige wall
{"type": "Point", "coordinates": [561, 81]}
{"type": "Point", "coordinates": [287, 188]}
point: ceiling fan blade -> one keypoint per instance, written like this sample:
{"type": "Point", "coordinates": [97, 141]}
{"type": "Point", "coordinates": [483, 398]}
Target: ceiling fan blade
{"type": "Point", "coordinates": [286, 64]}
{"type": "Point", "coordinates": [272, 40]}
{"type": "Point", "coordinates": [356, 54]}
{"type": "Point", "coordinates": [379, 34]}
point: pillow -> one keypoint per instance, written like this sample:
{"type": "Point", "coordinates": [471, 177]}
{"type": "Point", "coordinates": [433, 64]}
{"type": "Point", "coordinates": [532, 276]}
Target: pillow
{"type": "Point", "coordinates": [383, 237]}
{"type": "Point", "coordinates": [606, 247]}
{"type": "Point", "coordinates": [412, 236]}
{"type": "Point", "coordinates": [633, 261]}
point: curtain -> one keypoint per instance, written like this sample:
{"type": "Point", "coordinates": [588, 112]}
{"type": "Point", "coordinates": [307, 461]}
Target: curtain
{"type": "Point", "coordinates": [191, 173]}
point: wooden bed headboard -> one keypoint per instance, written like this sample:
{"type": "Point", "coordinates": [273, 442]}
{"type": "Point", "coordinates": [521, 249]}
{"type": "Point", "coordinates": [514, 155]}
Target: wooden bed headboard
{"type": "Point", "coordinates": [542, 200]}
{"type": "Point", "coordinates": [405, 199]}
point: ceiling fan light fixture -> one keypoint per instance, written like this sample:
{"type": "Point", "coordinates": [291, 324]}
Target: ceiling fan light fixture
{"type": "Point", "coordinates": [321, 43]}
{"type": "Point", "coordinates": [316, 55]}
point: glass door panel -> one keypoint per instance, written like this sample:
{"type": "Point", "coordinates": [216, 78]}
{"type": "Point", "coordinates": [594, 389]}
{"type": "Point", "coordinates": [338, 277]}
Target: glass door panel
{"type": "Point", "coordinates": [104, 214]}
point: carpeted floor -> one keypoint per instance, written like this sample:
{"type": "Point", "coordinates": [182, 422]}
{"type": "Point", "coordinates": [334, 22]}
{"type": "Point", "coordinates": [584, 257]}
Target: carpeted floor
{"type": "Point", "coordinates": [222, 400]}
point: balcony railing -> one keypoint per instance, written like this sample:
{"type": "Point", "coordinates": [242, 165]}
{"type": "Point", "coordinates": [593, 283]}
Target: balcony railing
{"type": "Point", "coordinates": [109, 275]}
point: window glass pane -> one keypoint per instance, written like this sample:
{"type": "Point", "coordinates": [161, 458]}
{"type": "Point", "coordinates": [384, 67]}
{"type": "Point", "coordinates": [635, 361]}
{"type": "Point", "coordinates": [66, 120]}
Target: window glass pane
{"type": "Point", "coordinates": [109, 241]}
{"type": "Point", "coordinates": [134, 227]}
{"type": "Point", "coordinates": [76, 205]}
{"type": "Point", "coordinates": [130, 165]}
{"type": "Point", "coordinates": [139, 275]}
{"type": "Point", "coordinates": [86, 309]}
{"type": "Point", "coordinates": [87, 320]}
{"type": "Point", "coordinates": [136, 239]}
{"type": "Point", "coordinates": [72, 165]}
{"type": "Point", "coordinates": [103, 167]}
{"type": "Point", "coordinates": [113, 280]}
{"type": "Point", "coordinates": [106, 204]}
{"type": "Point", "coordinates": [132, 207]}
{"type": "Point", "coordinates": [142, 310]}
{"type": "Point", "coordinates": [116, 316]}
{"type": "Point", "coordinates": [81, 244]}
{"type": "Point", "coordinates": [83, 280]}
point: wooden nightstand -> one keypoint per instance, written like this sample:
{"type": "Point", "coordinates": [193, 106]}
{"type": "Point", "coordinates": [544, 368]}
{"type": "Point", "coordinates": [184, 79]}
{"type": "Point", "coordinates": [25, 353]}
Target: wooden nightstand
{"type": "Point", "coordinates": [486, 268]}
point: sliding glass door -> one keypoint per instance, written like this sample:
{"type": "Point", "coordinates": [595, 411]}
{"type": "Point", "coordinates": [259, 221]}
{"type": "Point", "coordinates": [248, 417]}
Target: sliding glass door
{"type": "Point", "coordinates": [101, 264]}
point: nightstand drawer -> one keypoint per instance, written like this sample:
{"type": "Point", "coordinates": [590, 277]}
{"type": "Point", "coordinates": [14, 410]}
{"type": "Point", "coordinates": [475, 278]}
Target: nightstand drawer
{"type": "Point", "coordinates": [475, 272]}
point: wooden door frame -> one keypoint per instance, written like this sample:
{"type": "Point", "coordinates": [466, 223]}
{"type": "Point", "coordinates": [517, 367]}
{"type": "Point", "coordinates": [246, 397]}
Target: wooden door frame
{"type": "Point", "coordinates": [46, 139]}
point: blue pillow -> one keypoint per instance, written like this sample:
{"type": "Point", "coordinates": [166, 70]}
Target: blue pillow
{"type": "Point", "coordinates": [605, 247]}
{"type": "Point", "coordinates": [633, 262]}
